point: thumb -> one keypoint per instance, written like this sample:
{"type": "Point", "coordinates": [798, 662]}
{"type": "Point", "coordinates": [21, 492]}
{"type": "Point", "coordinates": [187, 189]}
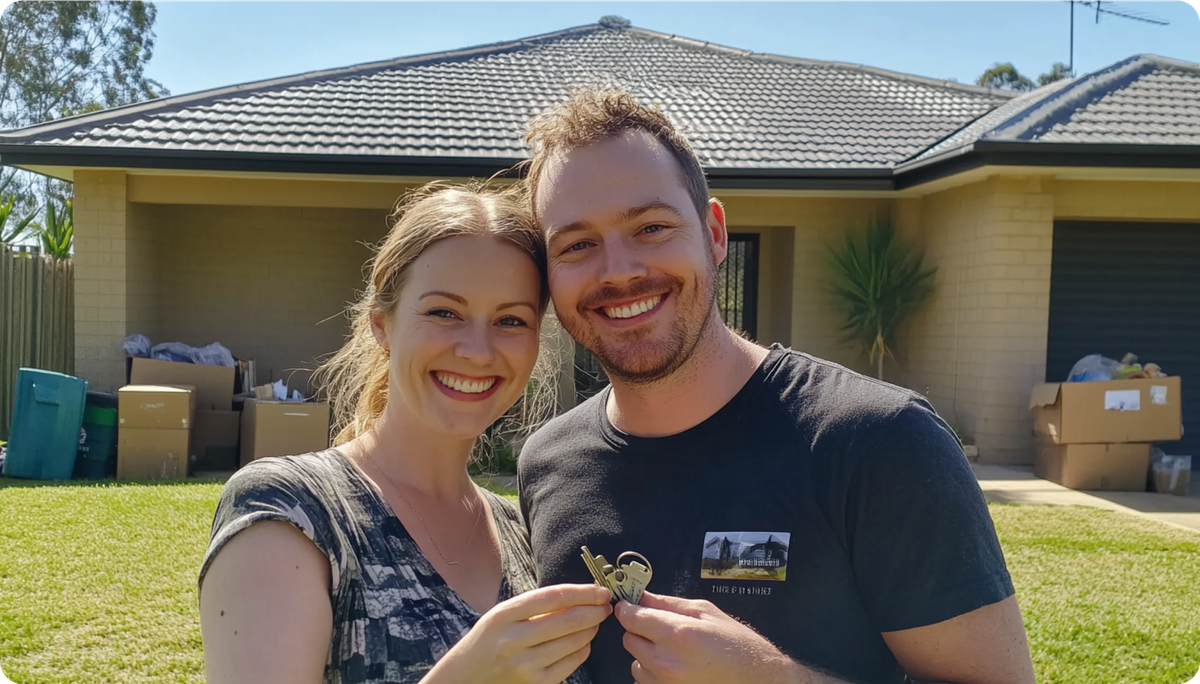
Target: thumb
{"type": "Point", "coordinates": [673, 604]}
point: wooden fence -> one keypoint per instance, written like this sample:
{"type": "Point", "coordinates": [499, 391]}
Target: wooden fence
{"type": "Point", "coordinates": [37, 319]}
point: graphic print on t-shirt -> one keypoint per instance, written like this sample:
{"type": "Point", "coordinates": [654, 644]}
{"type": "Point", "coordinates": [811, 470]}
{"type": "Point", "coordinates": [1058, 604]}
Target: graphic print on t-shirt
{"type": "Point", "coordinates": [745, 555]}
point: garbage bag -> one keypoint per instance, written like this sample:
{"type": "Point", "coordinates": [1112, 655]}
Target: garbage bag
{"type": "Point", "coordinates": [1094, 368]}
{"type": "Point", "coordinates": [137, 345]}
{"type": "Point", "coordinates": [214, 354]}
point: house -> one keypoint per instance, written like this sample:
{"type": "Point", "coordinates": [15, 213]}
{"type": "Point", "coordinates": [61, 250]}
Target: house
{"type": "Point", "coordinates": [1062, 222]}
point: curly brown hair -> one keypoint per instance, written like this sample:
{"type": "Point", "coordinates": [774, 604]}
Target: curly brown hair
{"type": "Point", "coordinates": [592, 115]}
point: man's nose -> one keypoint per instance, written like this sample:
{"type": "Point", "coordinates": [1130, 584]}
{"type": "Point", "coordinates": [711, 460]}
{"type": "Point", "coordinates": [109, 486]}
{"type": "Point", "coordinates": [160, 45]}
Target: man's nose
{"type": "Point", "coordinates": [621, 263]}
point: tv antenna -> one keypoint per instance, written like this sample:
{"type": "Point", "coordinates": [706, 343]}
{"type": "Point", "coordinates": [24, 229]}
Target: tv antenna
{"type": "Point", "coordinates": [1111, 9]}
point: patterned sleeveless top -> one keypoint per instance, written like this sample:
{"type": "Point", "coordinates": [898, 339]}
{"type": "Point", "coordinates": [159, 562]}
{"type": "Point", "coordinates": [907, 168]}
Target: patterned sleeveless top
{"type": "Point", "coordinates": [393, 615]}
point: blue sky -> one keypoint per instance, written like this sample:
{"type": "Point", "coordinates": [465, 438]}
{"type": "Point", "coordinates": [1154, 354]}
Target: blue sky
{"type": "Point", "coordinates": [205, 45]}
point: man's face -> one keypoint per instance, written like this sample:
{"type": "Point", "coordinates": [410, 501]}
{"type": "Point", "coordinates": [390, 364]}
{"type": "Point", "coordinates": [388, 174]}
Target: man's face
{"type": "Point", "coordinates": [632, 266]}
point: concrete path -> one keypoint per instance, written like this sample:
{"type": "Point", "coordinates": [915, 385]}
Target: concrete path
{"type": "Point", "coordinates": [1013, 484]}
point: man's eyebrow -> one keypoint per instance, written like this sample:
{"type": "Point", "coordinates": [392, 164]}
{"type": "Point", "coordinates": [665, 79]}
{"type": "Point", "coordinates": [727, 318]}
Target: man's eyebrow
{"type": "Point", "coordinates": [447, 295]}
{"type": "Point", "coordinates": [511, 305]}
{"type": "Point", "coordinates": [627, 215]}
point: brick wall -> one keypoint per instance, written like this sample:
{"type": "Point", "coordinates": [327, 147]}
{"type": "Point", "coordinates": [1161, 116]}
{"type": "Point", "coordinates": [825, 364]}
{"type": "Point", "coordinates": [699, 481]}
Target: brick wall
{"type": "Point", "coordinates": [102, 243]}
{"type": "Point", "coordinates": [979, 346]}
{"type": "Point", "coordinates": [269, 283]}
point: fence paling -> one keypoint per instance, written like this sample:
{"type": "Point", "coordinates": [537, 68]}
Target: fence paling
{"type": "Point", "coordinates": [37, 319]}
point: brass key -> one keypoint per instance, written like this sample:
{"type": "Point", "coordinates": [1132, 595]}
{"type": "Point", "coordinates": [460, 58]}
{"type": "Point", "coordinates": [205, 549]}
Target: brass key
{"type": "Point", "coordinates": [627, 580]}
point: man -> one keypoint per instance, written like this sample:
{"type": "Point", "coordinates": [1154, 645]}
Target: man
{"type": "Point", "coordinates": [805, 523]}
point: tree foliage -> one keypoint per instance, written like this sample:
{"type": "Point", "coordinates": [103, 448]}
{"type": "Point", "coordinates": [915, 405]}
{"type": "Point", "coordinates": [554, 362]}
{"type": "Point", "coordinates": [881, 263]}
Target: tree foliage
{"type": "Point", "coordinates": [1006, 77]}
{"type": "Point", "coordinates": [64, 58]}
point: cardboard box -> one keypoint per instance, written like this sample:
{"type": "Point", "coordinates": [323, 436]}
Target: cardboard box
{"type": "Point", "coordinates": [214, 384]}
{"type": "Point", "coordinates": [1112, 467]}
{"type": "Point", "coordinates": [152, 454]}
{"type": "Point", "coordinates": [282, 428]}
{"type": "Point", "coordinates": [215, 440]}
{"type": "Point", "coordinates": [162, 407]}
{"type": "Point", "coordinates": [1120, 411]}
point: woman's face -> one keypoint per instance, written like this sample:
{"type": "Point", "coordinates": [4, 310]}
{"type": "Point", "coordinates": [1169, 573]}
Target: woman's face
{"type": "Point", "coordinates": [463, 338]}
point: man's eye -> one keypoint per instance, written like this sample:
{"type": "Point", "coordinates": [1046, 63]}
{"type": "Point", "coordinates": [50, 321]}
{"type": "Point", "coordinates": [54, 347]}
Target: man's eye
{"type": "Point", "coordinates": [577, 247]}
{"type": "Point", "coordinates": [654, 228]}
{"type": "Point", "coordinates": [513, 322]}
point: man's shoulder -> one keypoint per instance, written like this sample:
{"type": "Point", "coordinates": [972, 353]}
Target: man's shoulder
{"type": "Point", "coordinates": [815, 389]}
{"type": "Point", "coordinates": [580, 422]}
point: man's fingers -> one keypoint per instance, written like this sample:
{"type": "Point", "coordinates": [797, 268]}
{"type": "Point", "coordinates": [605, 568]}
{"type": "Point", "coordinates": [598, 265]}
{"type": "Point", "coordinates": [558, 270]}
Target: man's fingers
{"type": "Point", "coordinates": [641, 675]}
{"type": "Point", "coordinates": [673, 604]}
{"type": "Point", "coordinates": [552, 599]}
{"type": "Point", "coordinates": [641, 648]}
{"type": "Point", "coordinates": [651, 623]}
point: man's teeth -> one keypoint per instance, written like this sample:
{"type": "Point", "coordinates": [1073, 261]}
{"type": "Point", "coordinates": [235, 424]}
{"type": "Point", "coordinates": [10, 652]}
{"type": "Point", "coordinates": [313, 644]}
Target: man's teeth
{"type": "Point", "coordinates": [465, 386]}
{"type": "Point", "coordinates": [634, 309]}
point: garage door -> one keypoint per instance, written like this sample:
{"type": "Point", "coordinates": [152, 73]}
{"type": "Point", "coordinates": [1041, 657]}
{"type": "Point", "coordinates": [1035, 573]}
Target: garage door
{"type": "Point", "coordinates": [1129, 287]}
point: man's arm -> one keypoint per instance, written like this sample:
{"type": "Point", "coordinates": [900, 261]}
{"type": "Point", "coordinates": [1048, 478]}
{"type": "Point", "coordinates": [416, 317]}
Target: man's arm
{"type": "Point", "coordinates": [985, 646]}
{"type": "Point", "coordinates": [683, 640]}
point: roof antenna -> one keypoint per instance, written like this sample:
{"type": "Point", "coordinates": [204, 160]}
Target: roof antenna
{"type": "Point", "coordinates": [1110, 8]}
{"type": "Point", "coordinates": [612, 21]}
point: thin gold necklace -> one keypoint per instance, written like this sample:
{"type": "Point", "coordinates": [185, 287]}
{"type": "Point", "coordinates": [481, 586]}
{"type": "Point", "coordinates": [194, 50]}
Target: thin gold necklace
{"type": "Point", "coordinates": [447, 561]}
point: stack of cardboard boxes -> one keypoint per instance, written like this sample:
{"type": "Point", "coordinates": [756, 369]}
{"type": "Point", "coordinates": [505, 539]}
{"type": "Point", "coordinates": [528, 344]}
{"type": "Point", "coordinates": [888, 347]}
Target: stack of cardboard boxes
{"type": "Point", "coordinates": [1098, 435]}
{"type": "Point", "coordinates": [157, 438]}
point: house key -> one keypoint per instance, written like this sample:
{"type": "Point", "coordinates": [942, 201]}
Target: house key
{"type": "Point", "coordinates": [626, 581]}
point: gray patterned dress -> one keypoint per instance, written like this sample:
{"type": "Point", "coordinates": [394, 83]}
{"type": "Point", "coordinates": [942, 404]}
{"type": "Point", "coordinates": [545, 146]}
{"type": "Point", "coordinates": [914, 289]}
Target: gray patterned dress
{"type": "Point", "coordinates": [393, 615]}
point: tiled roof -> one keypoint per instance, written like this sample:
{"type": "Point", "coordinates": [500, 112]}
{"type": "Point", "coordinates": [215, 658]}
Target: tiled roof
{"type": "Point", "coordinates": [1143, 100]}
{"type": "Point", "coordinates": [740, 109]}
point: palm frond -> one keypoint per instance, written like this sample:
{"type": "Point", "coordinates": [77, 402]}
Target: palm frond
{"type": "Point", "coordinates": [876, 283]}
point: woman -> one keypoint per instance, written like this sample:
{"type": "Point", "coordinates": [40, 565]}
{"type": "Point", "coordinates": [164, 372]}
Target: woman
{"type": "Point", "coordinates": [380, 560]}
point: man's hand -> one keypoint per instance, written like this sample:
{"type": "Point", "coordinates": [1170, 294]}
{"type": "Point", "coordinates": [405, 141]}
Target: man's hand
{"type": "Point", "coordinates": [682, 640]}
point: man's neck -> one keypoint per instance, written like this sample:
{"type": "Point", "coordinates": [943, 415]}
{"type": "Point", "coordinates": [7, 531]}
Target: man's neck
{"type": "Point", "coordinates": [719, 367]}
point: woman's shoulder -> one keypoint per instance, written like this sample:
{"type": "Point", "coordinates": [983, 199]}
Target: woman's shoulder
{"type": "Point", "coordinates": [312, 471]}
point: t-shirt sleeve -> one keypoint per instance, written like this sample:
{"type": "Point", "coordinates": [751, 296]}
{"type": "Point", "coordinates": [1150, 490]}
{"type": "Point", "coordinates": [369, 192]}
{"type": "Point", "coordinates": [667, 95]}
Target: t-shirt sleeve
{"type": "Point", "coordinates": [922, 541]}
{"type": "Point", "coordinates": [274, 489]}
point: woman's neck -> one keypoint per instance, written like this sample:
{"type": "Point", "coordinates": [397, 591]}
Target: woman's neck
{"type": "Point", "coordinates": [411, 456]}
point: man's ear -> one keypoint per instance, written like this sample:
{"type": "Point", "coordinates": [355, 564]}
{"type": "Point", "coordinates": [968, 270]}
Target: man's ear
{"type": "Point", "coordinates": [379, 330]}
{"type": "Point", "coordinates": [716, 228]}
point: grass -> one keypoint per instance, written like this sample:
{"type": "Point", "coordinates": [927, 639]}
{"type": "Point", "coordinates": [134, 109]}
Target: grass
{"type": "Point", "coordinates": [97, 584]}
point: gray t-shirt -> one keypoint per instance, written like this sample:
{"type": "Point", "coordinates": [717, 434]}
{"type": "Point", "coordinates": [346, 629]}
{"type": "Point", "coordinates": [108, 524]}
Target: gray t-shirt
{"type": "Point", "coordinates": [393, 615]}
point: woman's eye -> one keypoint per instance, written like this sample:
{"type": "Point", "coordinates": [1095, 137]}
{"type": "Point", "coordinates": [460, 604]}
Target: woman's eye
{"type": "Point", "coordinates": [441, 313]}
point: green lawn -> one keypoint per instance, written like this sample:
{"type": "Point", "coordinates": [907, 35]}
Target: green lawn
{"type": "Point", "coordinates": [97, 584]}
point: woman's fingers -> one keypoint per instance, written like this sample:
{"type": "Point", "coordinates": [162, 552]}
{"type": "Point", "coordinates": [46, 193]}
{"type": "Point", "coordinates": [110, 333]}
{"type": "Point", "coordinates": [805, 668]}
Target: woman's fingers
{"type": "Point", "coordinates": [551, 600]}
{"type": "Point", "coordinates": [555, 650]}
{"type": "Point", "coordinates": [563, 668]}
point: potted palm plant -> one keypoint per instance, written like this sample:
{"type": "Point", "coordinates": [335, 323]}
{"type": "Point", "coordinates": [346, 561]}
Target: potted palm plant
{"type": "Point", "coordinates": [877, 282]}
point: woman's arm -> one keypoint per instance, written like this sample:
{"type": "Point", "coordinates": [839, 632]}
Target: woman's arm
{"type": "Point", "coordinates": [264, 609]}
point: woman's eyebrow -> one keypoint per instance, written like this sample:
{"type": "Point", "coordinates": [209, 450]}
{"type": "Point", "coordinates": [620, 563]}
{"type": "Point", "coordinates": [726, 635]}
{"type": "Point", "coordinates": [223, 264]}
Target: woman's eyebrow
{"type": "Point", "coordinates": [442, 293]}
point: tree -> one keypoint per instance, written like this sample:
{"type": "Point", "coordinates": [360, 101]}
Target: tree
{"type": "Point", "coordinates": [62, 58]}
{"type": "Point", "coordinates": [877, 283]}
{"type": "Point", "coordinates": [1005, 77]}
{"type": "Point", "coordinates": [1058, 71]}
{"type": "Point", "coordinates": [58, 59]}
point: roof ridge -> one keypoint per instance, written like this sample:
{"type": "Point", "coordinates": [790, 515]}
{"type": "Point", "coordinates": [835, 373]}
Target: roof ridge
{"type": "Point", "coordinates": [1046, 112]}
{"type": "Point", "coordinates": [785, 59]}
{"type": "Point", "coordinates": [118, 115]}
{"type": "Point", "coordinates": [1171, 62]}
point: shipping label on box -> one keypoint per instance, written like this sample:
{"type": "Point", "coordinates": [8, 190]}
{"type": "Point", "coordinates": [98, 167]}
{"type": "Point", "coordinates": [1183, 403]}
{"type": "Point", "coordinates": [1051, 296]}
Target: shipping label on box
{"type": "Point", "coordinates": [155, 406]}
{"type": "Point", "coordinates": [152, 454]}
{"type": "Point", "coordinates": [283, 428]}
{"type": "Point", "coordinates": [214, 384]}
{"type": "Point", "coordinates": [1120, 411]}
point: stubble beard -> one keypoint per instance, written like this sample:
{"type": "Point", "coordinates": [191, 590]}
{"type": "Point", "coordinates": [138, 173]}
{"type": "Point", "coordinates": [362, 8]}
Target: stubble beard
{"type": "Point", "coordinates": [633, 359]}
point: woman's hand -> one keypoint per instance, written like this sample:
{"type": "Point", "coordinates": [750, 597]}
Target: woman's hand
{"type": "Point", "coordinates": [539, 637]}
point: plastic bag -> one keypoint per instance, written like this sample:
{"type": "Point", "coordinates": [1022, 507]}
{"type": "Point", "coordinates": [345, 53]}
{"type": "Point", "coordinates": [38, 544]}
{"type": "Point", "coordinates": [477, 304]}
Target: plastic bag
{"type": "Point", "coordinates": [137, 345]}
{"type": "Point", "coordinates": [1094, 368]}
{"type": "Point", "coordinates": [214, 354]}
{"type": "Point", "coordinates": [1171, 473]}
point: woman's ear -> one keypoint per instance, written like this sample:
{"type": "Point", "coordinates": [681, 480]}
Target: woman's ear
{"type": "Point", "coordinates": [379, 330]}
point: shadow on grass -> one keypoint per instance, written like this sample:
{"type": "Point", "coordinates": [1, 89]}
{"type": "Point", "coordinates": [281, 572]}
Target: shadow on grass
{"type": "Point", "coordinates": [14, 482]}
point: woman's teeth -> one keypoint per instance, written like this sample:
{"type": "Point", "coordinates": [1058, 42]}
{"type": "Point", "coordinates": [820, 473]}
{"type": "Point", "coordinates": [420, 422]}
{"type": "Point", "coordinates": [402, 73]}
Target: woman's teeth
{"type": "Point", "coordinates": [465, 386]}
{"type": "Point", "coordinates": [635, 309]}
